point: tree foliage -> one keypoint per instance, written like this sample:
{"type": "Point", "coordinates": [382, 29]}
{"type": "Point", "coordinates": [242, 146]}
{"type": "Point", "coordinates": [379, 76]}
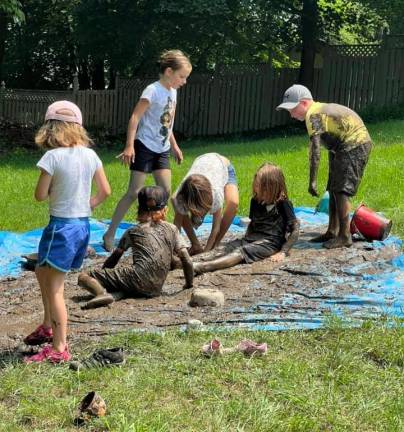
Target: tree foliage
{"type": "Point", "coordinates": [98, 38]}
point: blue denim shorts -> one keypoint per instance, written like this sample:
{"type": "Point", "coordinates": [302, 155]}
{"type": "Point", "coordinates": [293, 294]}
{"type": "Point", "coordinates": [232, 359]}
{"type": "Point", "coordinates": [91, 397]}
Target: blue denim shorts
{"type": "Point", "coordinates": [232, 175]}
{"type": "Point", "coordinates": [64, 242]}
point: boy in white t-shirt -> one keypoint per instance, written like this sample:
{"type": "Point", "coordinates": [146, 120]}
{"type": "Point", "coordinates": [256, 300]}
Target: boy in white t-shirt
{"type": "Point", "coordinates": [150, 135]}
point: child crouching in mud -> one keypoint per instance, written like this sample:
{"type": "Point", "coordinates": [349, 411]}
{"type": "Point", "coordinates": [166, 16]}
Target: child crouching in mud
{"type": "Point", "coordinates": [154, 242]}
{"type": "Point", "coordinates": [273, 229]}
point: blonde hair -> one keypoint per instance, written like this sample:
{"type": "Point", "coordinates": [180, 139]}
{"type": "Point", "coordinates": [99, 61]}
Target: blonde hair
{"type": "Point", "coordinates": [57, 133]}
{"type": "Point", "coordinates": [269, 184]}
{"type": "Point", "coordinates": [174, 59]}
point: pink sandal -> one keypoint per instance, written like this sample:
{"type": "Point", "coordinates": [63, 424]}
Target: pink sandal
{"type": "Point", "coordinates": [250, 348]}
{"type": "Point", "coordinates": [39, 336]}
{"type": "Point", "coordinates": [48, 353]}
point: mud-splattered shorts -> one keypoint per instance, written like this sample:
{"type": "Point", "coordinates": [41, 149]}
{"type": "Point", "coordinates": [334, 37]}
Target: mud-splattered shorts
{"type": "Point", "coordinates": [257, 250]}
{"type": "Point", "coordinates": [121, 279]}
{"type": "Point", "coordinates": [346, 169]}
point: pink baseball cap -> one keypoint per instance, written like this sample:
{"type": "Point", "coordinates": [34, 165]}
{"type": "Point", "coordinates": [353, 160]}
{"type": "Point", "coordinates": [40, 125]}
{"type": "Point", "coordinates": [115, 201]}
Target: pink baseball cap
{"type": "Point", "coordinates": [54, 112]}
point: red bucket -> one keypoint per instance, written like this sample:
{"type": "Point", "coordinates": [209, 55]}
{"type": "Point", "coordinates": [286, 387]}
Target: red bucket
{"type": "Point", "coordinates": [370, 224]}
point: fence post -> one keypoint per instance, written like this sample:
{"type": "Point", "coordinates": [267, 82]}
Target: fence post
{"type": "Point", "coordinates": [115, 114]}
{"type": "Point", "coordinates": [2, 92]}
{"type": "Point", "coordinates": [379, 97]}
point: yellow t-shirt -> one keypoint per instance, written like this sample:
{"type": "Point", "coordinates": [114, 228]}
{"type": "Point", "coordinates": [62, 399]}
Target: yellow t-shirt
{"type": "Point", "coordinates": [339, 127]}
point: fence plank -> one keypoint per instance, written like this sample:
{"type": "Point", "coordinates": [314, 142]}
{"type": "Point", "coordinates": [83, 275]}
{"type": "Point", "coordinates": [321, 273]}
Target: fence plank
{"type": "Point", "coordinates": [236, 100]}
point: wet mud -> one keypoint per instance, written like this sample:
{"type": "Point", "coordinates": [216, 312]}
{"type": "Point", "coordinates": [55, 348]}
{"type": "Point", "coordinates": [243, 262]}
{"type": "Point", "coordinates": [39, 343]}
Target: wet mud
{"type": "Point", "coordinates": [251, 291]}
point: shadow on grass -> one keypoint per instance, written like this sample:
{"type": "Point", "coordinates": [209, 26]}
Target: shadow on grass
{"type": "Point", "coordinates": [14, 356]}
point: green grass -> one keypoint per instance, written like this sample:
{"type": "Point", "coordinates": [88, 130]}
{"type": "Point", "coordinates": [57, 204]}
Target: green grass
{"type": "Point", "coordinates": [331, 380]}
{"type": "Point", "coordinates": [335, 379]}
{"type": "Point", "coordinates": [382, 187]}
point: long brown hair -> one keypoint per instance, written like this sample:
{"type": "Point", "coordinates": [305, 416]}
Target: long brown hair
{"type": "Point", "coordinates": [196, 194]}
{"type": "Point", "coordinates": [269, 184]}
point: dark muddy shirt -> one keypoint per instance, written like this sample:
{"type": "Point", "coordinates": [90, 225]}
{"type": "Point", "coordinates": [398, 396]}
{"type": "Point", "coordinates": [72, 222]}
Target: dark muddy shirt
{"type": "Point", "coordinates": [152, 246]}
{"type": "Point", "coordinates": [339, 127]}
{"type": "Point", "coordinates": [270, 222]}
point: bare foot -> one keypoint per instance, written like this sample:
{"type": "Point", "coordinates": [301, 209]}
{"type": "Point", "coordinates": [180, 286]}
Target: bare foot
{"type": "Point", "coordinates": [338, 242]}
{"type": "Point", "coordinates": [323, 238]}
{"type": "Point", "coordinates": [98, 301]}
{"type": "Point", "coordinates": [198, 268]}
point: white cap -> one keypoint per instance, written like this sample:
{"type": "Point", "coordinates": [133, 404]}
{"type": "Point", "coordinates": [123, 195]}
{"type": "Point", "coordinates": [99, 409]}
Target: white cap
{"type": "Point", "coordinates": [293, 95]}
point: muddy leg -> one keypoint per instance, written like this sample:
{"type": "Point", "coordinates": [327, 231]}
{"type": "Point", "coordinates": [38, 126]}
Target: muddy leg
{"type": "Point", "coordinates": [101, 297]}
{"type": "Point", "coordinates": [333, 223]}
{"type": "Point", "coordinates": [223, 262]}
{"type": "Point", "coordinates": [344, 237]}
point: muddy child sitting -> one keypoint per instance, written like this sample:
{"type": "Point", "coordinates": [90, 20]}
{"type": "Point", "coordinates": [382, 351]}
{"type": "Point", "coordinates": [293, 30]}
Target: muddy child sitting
{"type": "Point", "coordinates": [153, 242]}
{"type": "Point", "coordinates": [273, 228]}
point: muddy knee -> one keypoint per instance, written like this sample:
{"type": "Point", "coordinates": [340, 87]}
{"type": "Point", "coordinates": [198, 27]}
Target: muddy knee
{"type": "Point", "coordinates": [90, 284]}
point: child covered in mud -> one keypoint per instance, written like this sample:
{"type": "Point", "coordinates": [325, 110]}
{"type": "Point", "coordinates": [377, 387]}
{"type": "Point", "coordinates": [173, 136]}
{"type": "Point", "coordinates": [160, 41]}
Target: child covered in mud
{"type": "Point", "coordinates": [344, 135]}
{"type": "Point", "coordinates": [273, 229]}
{"type": "Point", "coordinates": [153, 242]}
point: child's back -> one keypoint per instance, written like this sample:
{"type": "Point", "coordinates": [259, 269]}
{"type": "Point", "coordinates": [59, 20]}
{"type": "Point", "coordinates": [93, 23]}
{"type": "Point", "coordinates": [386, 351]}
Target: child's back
{"type": "Point", "coordinates": [72, 170]}
{"type": "Point", "coordinates": [152, 245]}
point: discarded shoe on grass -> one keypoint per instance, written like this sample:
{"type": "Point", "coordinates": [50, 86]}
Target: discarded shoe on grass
{"type": "Point", "coordinates": [93, 405]}
{"type": "Point", "coordinates": [100, 358]}
{"type": "Point", "coordinates": [250, 348]}
{"type": "Point", "coordinates": [214, 347]}
{"type": "Point", "coordinates": [246, 347]}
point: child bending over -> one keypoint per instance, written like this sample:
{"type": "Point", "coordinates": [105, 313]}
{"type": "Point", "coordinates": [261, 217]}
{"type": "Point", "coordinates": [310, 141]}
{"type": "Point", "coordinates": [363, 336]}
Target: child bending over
{"type": "Point", "coordinates": [209, 186]}
{"type": "Point", "coordinates": [273, 228]}
{"type": "Point", "coordinates": [153, 242]}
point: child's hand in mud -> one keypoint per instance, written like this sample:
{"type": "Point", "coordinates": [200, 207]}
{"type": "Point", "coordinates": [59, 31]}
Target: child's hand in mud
{"type": "Point", "coordinates": [195, 250]}
{"type": "Point", "coordinates": [278, 257]}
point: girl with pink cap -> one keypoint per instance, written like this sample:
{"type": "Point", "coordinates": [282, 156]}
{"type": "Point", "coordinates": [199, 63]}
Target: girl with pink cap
{"type": "Point", "coordinates": [67, 171]}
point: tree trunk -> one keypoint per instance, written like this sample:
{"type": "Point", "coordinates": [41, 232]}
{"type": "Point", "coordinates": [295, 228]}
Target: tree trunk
{"type": "Point", "coordinates": [309, 26]}
{"type": "Point", "coordinates": [3, 33]}
{"type": "Point", "coordinates": [84, 77]}
{"type": "Point", "coordinates": [98, 75]}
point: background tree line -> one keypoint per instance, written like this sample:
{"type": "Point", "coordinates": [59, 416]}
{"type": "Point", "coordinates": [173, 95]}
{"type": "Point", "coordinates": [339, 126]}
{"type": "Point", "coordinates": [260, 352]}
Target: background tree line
{"type": "Point", "coordinates": [44, 42]}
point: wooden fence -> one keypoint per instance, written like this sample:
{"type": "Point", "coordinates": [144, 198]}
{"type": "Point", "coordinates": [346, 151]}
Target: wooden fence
{"type": "Point", "coordinates": [237, 98]}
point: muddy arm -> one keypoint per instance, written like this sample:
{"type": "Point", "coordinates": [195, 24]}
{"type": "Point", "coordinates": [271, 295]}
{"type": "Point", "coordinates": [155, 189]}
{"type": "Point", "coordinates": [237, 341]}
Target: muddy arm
{"type": "Point", "coordinates": [187, 267]}
{"type": "Point", "coordinates": [113, 259]}
{"type": "Point", "coordinates": [292, 237]}
{"type": "Point", "coordinates": [314, 152]}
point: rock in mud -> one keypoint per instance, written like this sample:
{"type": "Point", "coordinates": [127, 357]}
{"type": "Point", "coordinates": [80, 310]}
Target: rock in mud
{"type": "Point", "coordinates": [207, 297]}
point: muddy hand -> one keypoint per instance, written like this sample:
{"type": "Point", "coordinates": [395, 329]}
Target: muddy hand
{"type": "Point", "coordinates": [195, 250]}
{"type": "Point", "coordinates": [278, 257]}
{"type": "Point", "coordinates": [313, 189]}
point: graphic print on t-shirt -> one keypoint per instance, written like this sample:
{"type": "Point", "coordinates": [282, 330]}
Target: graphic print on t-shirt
{"type": "Point", "coordinates": [166, 119]}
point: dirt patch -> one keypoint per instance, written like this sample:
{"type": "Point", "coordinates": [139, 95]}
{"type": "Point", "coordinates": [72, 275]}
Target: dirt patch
{"type": "Point", "coordinates": [253, 293]}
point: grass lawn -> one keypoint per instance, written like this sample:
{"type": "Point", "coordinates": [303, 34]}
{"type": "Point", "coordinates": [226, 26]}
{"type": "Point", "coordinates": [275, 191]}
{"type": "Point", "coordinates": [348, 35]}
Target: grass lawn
{"type": "Point", "coordinates": [335, 379]}
{"type": "Point", "coordinates": [382, 187]}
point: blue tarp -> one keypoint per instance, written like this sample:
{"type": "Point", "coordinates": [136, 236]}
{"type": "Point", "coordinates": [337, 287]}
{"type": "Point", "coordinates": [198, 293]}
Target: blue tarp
{"type": "Point", "coordinates": [372, 293]}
